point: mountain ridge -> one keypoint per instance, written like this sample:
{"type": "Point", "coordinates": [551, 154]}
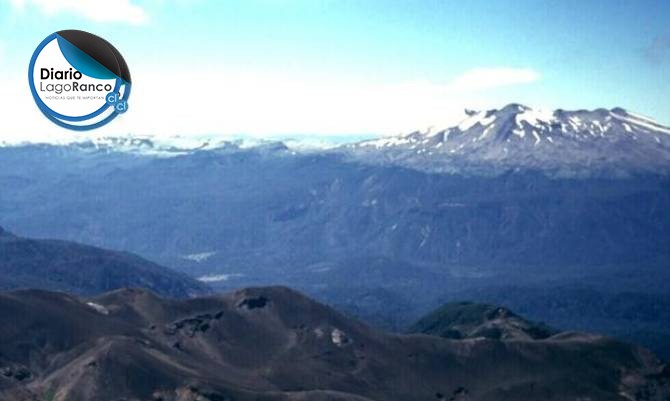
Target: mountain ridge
{"type": "Point", "coordinates": [83, 269]}
{"type": "Point", "coordinates": [272, 343]}
{"type": "Point", "coordinates": [461, 320]}
{"type": "Point", "coordinates": [513, 124]}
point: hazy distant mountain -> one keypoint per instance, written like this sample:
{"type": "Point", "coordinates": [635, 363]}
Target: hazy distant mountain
{"type": "Point", "coordinates": [380, 229]}
{"type": "Point", "coordinates": [66, 266]}
{"type": "Point", "coordinates": [274, 344]}
{"type": "Point", "coordinates": [157, 146]}
{"type": "Point", "coordinates": [560, 143]}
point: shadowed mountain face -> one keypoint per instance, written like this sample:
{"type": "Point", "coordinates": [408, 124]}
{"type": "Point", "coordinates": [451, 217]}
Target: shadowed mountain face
{"type": "Point", "coordinates": [470, 320]}
{"type": "Point", "coordinates": [274, 344]}
{"type": "Point", "coordinates": [67, 266]}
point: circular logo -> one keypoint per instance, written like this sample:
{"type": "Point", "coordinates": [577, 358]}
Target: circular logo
{"type": "Point", "coordinates": [79, 80]}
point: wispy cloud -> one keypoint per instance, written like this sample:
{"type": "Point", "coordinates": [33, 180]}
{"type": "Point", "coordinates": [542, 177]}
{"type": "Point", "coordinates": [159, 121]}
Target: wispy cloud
{"type": "Point", "coordinates": [124, 11]}
{"type": "Point", "coordinates": [489, 78]}
{"type": "Point", "coordinates": [658, 50]}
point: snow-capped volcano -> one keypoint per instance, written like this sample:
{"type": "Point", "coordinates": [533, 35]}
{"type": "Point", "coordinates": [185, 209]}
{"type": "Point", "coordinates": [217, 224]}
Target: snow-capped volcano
{"type": "Point", "coordinates": [516, 136]}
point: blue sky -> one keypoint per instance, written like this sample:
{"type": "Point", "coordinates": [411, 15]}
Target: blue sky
{"type": "Point", "coordinates": [277, 67]}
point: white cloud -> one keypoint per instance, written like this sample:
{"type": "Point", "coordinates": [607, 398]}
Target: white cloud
{"type": "Point", "coordinates": [489, 78]}
{"type": "Point", "coordinates": [95, 10]}
{"type": "Point", "coordinates": [217, 100]}
{"type": "Point", "coordinates": [213, 100]}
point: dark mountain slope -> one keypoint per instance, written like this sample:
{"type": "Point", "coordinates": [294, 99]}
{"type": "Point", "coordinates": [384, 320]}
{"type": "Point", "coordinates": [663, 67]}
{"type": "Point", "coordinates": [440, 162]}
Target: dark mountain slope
{"type": "Point", "coordinates": [470, 320]}
{"type": "Point", "coordinates": [274, 344]}
{"type": "Point", "coordinates": [67, 266]}
{"type": "Point", "coordinates": [635, 315]}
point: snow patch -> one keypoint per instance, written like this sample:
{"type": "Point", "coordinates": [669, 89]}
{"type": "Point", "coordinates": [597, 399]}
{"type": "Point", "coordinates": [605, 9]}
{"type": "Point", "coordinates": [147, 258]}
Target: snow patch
{"type": "Point", "coordinates": [641, 117]}
{"type": "Point", "coordinates": [386, 142]}
{"type": "Point", "coordinates": [214, 278]}
{"type": "Point", "coordinates": [98, 308]}
{"type": "Point", "coordinates": [642, 122]}
{"type": "Point", "coordinates": [535, 118]}
{"type": "Point", "coordinates": [519, 132]}
{"type": "Point", "coordinates": [199, 257]}
{"type": "Point", "coordinates": [479, 117]}
{"type": "Point", "coordinates": [486, 132]}
{"type": "Point", "coordinates": [537, 137]}
{"type": "Point", "coordinates": [339, 338]}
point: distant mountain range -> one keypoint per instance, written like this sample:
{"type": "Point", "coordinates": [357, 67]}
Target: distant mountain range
{"type": "Point", "coordinates": [387, 229]}
{"type": "Point", "coordinates": [561, 143]}
{"type": "Point", "coordinates": [275, 344]}
{"type": "Point", "coordinates": [79, 269]}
